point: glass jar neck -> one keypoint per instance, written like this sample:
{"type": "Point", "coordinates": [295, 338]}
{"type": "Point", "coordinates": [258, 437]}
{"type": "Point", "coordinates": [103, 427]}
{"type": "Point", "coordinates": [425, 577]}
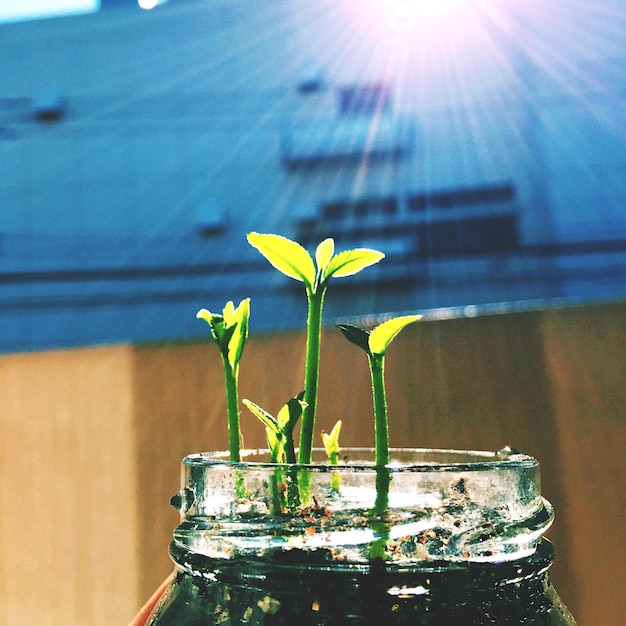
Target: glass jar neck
{"type": "Point", "coordinates": [398, 580]}
{"type": "Point", "coordinates": [426, 506]}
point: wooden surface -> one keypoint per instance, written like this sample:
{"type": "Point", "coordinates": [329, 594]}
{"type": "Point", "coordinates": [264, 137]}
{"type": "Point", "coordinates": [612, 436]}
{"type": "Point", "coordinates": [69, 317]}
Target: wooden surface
{"type": "Point", "coordinates": [69, 547]}
{"type": "Point", "coordinates": [92, 442]}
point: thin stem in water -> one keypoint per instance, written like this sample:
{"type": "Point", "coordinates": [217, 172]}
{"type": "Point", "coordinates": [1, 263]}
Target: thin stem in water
{"type": "Point", "coordinates": [378, 523]}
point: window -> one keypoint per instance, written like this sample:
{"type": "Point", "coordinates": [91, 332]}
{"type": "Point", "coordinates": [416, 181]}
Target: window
{"type": "Point", "coordinates": [363, 99]}
{"type": "Point", "coordinates": [483, 235]}
{"type": "Point", "coordinates": [352, 222]}
{"type": "Point", "coordinates": [470, 196]}
{"type": "Point", "coordinates": [369, 207]}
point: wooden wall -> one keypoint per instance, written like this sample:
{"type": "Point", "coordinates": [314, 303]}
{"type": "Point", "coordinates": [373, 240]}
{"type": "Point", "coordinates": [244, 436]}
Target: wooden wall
{"type": "Point", "coordinates": [69, 550]}
{"type": "Point", "coordinates": [92, 441]}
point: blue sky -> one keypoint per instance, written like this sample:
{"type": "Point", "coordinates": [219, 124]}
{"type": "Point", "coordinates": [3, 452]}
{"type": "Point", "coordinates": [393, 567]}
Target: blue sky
{"type": "Point", "coordinates": [10, 10]}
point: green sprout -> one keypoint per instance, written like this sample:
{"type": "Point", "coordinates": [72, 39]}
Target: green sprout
{"type": "Point", "coordinates": [331, 446]}
{"type": "Point", "coordinates": [375, 343]}
{"type": "Point", "coordinates": [293, 260]}
{"type": "Point", "coordinates": [279, 429]}
{"type": "Point", "coordinates": [279, 435]}
{"type": "Point", "coordinates": [230, 331]}
{"type": "Point", "coordinates": [331, 443]}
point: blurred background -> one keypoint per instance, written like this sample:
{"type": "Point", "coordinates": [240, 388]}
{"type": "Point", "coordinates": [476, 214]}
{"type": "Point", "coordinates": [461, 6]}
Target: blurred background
{"type": "Point", "coordinates": [481, 145]}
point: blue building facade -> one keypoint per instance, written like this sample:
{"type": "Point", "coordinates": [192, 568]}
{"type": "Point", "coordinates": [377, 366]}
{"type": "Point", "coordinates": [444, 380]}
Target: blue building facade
{"type": "Point", "coordinates": [483, 148]}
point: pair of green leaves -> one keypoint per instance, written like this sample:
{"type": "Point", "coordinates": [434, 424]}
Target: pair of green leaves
{"type": "Point", "coordinates": [376, 341]}
{"type": "Point", "coordinates": [229, 329]}
{"type": "Point", "coordinates": [279, 429]}
{"type": "Point", "coordinates": [293, 260]}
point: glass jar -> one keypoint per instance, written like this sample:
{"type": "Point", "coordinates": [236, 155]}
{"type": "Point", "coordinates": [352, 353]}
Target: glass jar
{"type": "Point", "coordinates": [436, 537]}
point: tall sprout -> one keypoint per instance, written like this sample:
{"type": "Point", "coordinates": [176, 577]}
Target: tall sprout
{"type": "Point", "coordinates": [293, 260]}
{"type": "Point", "coordinates": [375, 344]}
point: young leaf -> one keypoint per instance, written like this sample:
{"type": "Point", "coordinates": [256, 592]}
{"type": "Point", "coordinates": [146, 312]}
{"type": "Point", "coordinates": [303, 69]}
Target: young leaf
{"type": "Point", "coordinates": [215, 322]}
{"type": "Point", "coordinates": [358, 336]}
{"type": "Point", "coordinates": [382, 335]}
{"type": "Point", "coordinates": [267, 418]}
{"type": "Point", "coordinates": [230, 330]}
{"type": "Point", "coordinates": [287, 256]}
{"type": "Point", "coordinates": [331, 441]}
{"type": "Point", "coordinates": [350, 262]}
{"type": "Point", "coordinates": [290, 412]}
{"type": "Point", "coordinates": [323, 254]}
{"type": "Point", "coordinates": [274, 433]}
{"type": "Point", "coordinates": [238, 319]}
{"type": "Point", "coordinates": [220, 332]}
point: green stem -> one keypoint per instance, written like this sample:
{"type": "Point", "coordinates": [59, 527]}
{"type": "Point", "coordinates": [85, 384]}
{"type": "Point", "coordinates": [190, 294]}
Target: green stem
{"type": "Point", "coordinates": [378, 522]}
{"type": "Point", "coordinates": [378, 515]}
{"type": "Point", "coordinates": [381, 426]}
{"type": "Point", "coordinates": [277, 495]}
{"type": "Point", "coordinates": [335, 477]}
{"type": "Point", "coordinates": [290, 453]}
{"type": "Point", "coordinates": [311, 372]}
{"type": "Point", "coordinates": [232, 406]}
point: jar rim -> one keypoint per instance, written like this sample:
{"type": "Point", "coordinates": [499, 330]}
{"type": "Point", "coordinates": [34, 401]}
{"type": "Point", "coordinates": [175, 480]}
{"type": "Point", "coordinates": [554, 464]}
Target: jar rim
{"type": "Point", "coordinates": [424, 460]}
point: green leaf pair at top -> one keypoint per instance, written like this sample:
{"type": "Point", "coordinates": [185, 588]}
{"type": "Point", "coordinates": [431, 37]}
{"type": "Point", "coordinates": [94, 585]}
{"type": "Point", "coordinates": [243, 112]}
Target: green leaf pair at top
{"type": "Point", "coordinates": [230, 330]}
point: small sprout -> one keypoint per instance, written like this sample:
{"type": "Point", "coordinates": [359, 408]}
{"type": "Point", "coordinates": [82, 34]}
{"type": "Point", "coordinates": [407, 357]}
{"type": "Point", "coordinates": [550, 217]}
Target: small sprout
{"type": "Point", "coordinates": [331, 443]}
{"type": "Point", "coordinates": [279, 429]}
{"type": "Point", "coordinates": [230, 331]}
{"type": "Point", "coordinates": [274, 434]}
{"type": "Point", "coordinates": [375, 343]}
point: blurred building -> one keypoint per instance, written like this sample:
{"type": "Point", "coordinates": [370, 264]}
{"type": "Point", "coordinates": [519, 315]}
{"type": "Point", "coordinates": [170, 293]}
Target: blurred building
{"type": "Point", "coordinates": [483, 148]}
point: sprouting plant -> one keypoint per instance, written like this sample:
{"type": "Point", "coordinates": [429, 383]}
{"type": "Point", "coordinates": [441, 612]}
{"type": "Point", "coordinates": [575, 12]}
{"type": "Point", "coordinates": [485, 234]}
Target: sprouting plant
{"type": "Point", "coordinates": [294, 261]}
{"type": "Point", "coordinates": [331, 443]}
{"type": "Point", "coordinates": [279, 436]}
{"type": "Point", "coordinates": [279, 429]}
{"type": "Point", "coordinates": [230, 331]}
{"type": "Point", "coordinates": [331, 446]}
{"type": "Point", "coordinates": [375, 343]}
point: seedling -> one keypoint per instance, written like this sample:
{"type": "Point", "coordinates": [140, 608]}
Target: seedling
{"type": "Point", "coordinates": [294, 261]}
{"type": "Point", "coordinates": [331, 446]}
{"type": "Point", "coordinates": [331, 443]}
{"type": "Point", "coordinates": [279, 429]}
{"type": "Point", "coordinates": [230, 331]}
{"type": "Point", "coordinates": [375, 343]}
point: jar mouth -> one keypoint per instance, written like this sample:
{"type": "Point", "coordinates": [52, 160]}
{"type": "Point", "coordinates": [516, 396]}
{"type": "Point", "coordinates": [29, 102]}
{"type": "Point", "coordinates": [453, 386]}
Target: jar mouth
{"type": "Point", "coordinates": [363, 460]}
{"type": "Point", "coordinates": [426, 504]}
